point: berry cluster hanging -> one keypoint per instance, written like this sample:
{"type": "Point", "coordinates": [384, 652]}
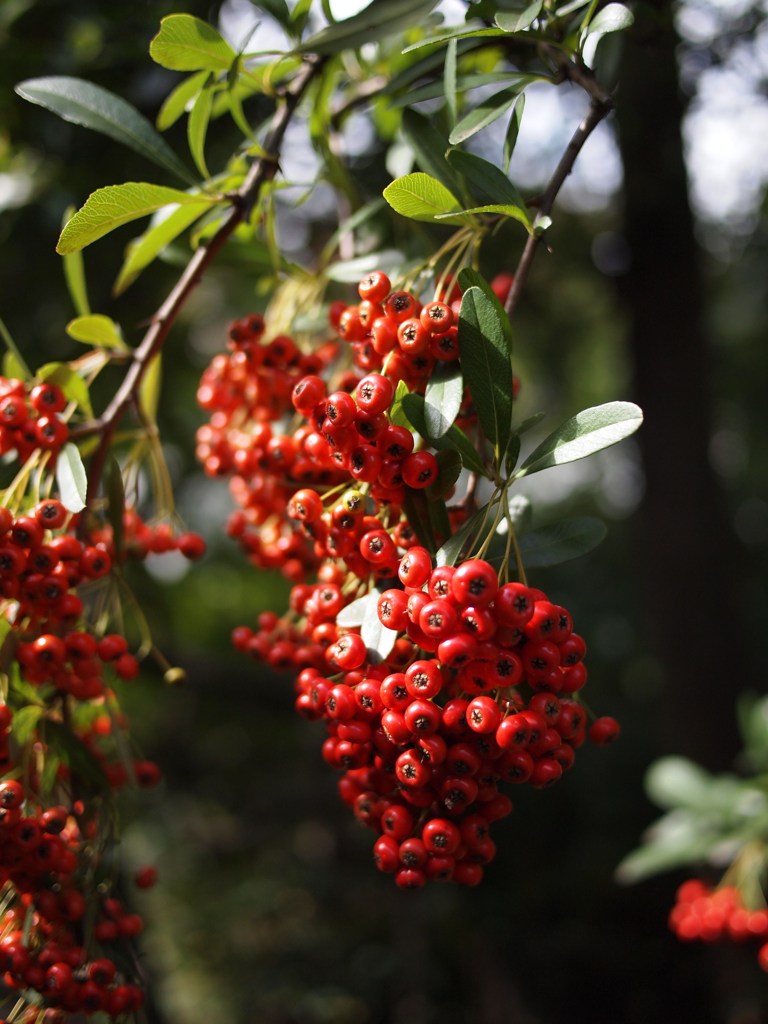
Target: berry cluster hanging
{"type": "Point", "coordinates": [442, 677]}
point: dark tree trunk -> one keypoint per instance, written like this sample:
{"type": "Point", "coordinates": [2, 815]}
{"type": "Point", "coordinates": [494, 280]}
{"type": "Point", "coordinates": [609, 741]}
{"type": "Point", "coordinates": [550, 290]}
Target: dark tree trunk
{"type": "Point", "coordinates": [691, 583]}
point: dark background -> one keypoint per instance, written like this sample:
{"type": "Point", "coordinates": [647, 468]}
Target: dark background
{"type": "Point", "coordinates": [269, 907]}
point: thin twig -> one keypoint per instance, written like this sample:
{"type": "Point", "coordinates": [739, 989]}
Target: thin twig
{"type": "Point", "coordinates": [600, 106]}
{"type": "Point", "coordinates": [261, 171]}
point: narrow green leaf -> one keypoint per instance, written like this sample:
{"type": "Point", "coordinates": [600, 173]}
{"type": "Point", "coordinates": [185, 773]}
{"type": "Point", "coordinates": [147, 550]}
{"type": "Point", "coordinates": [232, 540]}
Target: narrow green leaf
{"type": "Point", "coordinates": [94, 107]}
{"type": "Point", "coordinates": [513, 130]}
{"type": "Point", "coordinates": [432, 90]}
{"type": "Point", "coordinates": [397, 414]}
{"type": "Point", "coordinates": [72, 384]}
{"type": "Point", "coordinates": [529, 423]}
{"type": "Point", "coordinates": [379, 19]}
{"type": "Point", "coordinates": [25, 722]}
{"type": "Point", "coordinates": [588, 432]}
{"type": "Point", "coordinates": [74, 274]}
{"type": "Point", "coordinates": [485, 113]}
{"type": "Point", "coordinates": [116, 503]}
{"type": "Point", "coordinates": [12, 368]}
{"type": "Point", "coordinates": [82, 763]}
{"type": "Point", "coordinates": [561, 542]}
{"type": "Point", "coordinates": [487, 181]}
{"type": "Point", "coordinates": [421, 197]}
{"type": "Point", "coordinates": [438, 40]}
{"type": "Point", "coordinates": [379, 639]}
{"type": "Point", "coordinates": [197, 125]}
{"type": "Point", "coordinates": [149, 390]}
{"type": "Point", "coordinates": [514, 21]}
{"type": "Point", "coordinates": [453, 548]}
{"type": "Point", "coordinates": [449, 81]}
{"type": "Point", "coordinates": [186, 43]}
{"type": "Point", "coordinates": [299, 16]}
{"type": "Point", "coordinates": [278, 9]}
{"type": "Point", "coordinates": [71, 479]}
{"type": "Point", "coordinates": [97, 330]}
{"type": "Point", "coordinates": [142, 251]}
{"type": "Point", "coordinates": [442, 399]}
{"type": "Point", "coordinates": [22, 370]}
{"type": "Point", "coordinates": [454, 439]}
{"type": "Point", "coordinates": [111, 207]}
{"type": "Point", "coordinates": [176, 102]}
{"type": "Point", "coordinates": [429, 147]}
{"type": "Point", "coordinates": [416, 508]}
{"type": "Point", "coordinates": [234, 99]}
{"type": "Point", "coordinates": [486, 360]}
{"type": "Point", "coordinates": [515, 212]}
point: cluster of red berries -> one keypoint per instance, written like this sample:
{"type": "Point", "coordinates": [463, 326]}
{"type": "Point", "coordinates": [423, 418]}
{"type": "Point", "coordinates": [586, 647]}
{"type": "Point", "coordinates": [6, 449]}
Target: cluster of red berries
{"type": "Point", "coordinates": [42, 856]}
{"type": "Point", "coordinates": [470, 683]}
{"type": "Point", "coordinates": [52, 835]}
{"type": "Point", "coordinates": [30, 417]}
{"type": "Point", "coordinates": [711, 914]}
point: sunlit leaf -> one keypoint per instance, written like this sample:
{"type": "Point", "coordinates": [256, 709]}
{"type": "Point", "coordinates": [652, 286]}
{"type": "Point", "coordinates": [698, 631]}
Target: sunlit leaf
{"type": "Point", "coordinates": [197, 125]}
{"type": "Point", "coordinates": [142, 251]}
{"type": "Point", "coordinates": [74, 275]}
{"type": "Point", "coordinates": [186, 43]}
{"type": "Point", "coordinates": [513, 129]}
{"type": "Point", "coordinates": [454, 439]}
{"type": "Point", "coordinates": [378, 20]}
{"type": "Point", "coordinates": [514, 21]}
{"type": "Point", "coordinates": [561, 542]}
{"type": "Point", "coordinates": [97, 330]}
{"type": "Point", "coordinates": [111, 207]}
{"type": "Point", "coordinates": [487, 180]}
{"type": "Point", "coordinates": [176, 102]}
{"type": "Point", "coordinates": [419, 196]}
{"type": "Point", "coordinates": [429, 147]}
{"type": "Point", "coordinates": [72, 384]}
{"type": "Point", "coordinates": [485, 113]}
{"type": "Point", "coordinates": [93, 107]}
{"type": "Point", "coordinates": [71, 478]}
{"type": "Point", "coordinates": [149, 390]}
{"type": "Point", "coordinates": [588, 432]}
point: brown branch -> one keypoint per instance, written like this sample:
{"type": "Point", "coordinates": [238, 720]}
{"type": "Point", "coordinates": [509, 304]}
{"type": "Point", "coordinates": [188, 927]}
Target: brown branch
{"type": "Point", "coordinates": [600, 106]}
{"type": "Point", "coordinates": [261, 171]}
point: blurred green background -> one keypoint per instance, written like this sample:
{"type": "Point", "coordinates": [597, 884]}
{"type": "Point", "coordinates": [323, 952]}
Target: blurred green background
{"type": "Point", "coordinates": [269, 908]}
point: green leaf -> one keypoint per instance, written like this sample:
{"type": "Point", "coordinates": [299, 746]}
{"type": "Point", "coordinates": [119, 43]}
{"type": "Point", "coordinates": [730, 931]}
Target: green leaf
{"type": "Point", "coordinates": [486, 360]}
{"type": "Point", "coordinates": [487, 180]}
{"type": "Point", "coordinates": [513, 130]}
{"type": "Point", "coordinates": [93, 107]}
{"type": "Point", "coordinates": [299, 16]}
{"type": "Point", "coordinates": [421, 197]}
{"type": "Point", "coordinates": [515, 212]}
{"type": "Point", "coordinates": [470, 278]}
{"type": "Point", "coordinates": [429, 147]}
{"type": "Point", "coordinates": [97, 330]}
{"type": "Point", "coordinates": [13, 355]}
{"type": "Point", "coordinates": [442, 399]}
{"type": "Point", "coordinates": [72, 384]}
{"type": "Point", "coordinates": [449, 81]}
{"type": "Point", "coordinates": [561, 542]}
{"type": "Point", "coordinates": [588, 432]}
{"type": "Point", "coordinates": [512, 21]}
{"type": "Point", "coordinates": [676, 840]}
{"type": "Point", "coordinates": [678, 782]}
{"type": "Point", "coordinates": [485, 113]}
{"type": "Point", "coordinates": [12, 368]}
{"type": "Point", "coordinates": [197, 125]}
{"type": "Point", "coordinates": [111, 207]}
{"type": "Point", "coordinates": [611, 18]}
{"type": "Point", "coordinates": [451, 551]}
{"type": "Point", "coordinates": [278, 9]}
{"type": "Point", "coordinates": [378, 20]}
{"type": "Point", "coordinates": [142, 251]}
{"type": "Point", "coordinates": [416, 508]}
{"type": "Point", "coordinates": [149, 389]}
{"type": "Point", "coordinates": [454, 439]}
{"type": "Point", "coordinates": [397, 414]}
{"type": "Point", "coordinates": [25, 722]}
{"type": "Point", "coordinates": [74, 275]}
{"type": "Point", "coordinates": [438, 40]}
{"type": "Point", "coordinates": [186, 43]}
{"type": "Point", "coordinates": [115, 488]}
{"type": "Point", "coordinates": [379, 639]}
{"type": "Point", "coordinates": [71, 479]}
{"type": "Point", "coordinates": [451, 466]}
{"type": "Point", "coordinates": [176, 102]}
